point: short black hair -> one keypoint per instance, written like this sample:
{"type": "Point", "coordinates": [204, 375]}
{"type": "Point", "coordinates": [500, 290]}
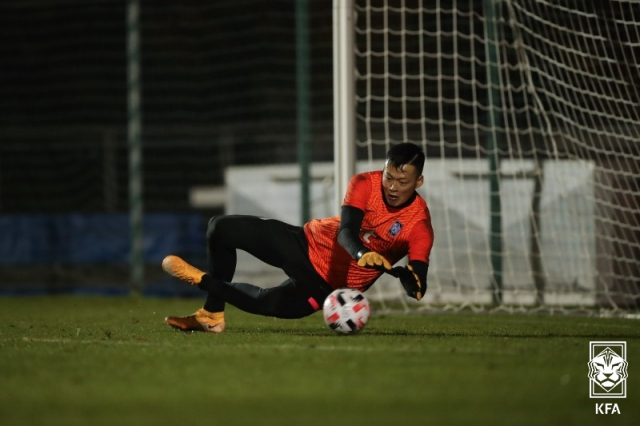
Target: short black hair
{"type": "Point", "coordinates": [406, 153]}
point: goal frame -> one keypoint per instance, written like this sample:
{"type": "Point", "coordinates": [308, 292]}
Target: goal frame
{"type": "Point", "coordinates": [345, 141]}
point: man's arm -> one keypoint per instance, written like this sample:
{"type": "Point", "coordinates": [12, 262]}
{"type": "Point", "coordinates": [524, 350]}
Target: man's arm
{"type": "Point", "coordinates": [349, 238]}
{"type": "Point", "coordinates": [349, 231]}
{"type": "Point", "coordinates": [414, 276]}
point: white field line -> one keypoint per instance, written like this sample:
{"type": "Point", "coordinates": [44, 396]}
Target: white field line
{"type": "Point", "coordinates": [222, 347]}
{"type": "Point", "coordinates": [275, 347]}
{"type": "Point", "coordinates": [89, 342]}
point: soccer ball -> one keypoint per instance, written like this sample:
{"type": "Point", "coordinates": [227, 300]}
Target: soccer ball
{"type": "Point", "coordinates": [346, 311]}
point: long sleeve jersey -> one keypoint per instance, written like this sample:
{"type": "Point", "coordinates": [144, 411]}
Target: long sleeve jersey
{"type": "Point", "coordinates": [392, 232]}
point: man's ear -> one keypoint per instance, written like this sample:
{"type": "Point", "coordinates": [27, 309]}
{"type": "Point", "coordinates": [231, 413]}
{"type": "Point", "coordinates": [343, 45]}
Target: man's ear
{"type": "Point", "coordinates": [420, 181]}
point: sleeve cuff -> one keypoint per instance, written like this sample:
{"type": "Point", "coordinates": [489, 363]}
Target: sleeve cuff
{"type": "Point", "coordinates": [361, 253]}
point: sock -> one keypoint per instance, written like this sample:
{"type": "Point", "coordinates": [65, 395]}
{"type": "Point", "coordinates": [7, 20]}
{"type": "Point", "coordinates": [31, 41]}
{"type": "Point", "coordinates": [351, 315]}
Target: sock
{"type": "Point", "coordinates": [216, 317]}
{"type": "Point", "coordinates": [206, 283]}
{"type": "Point", "coordinates": [214, 302]}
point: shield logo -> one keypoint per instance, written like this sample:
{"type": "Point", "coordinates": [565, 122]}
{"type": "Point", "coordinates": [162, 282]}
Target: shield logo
{"type": "Point", "coordinates": [608, 369]}
{"type": "Point", "coordinates": [395, 228]}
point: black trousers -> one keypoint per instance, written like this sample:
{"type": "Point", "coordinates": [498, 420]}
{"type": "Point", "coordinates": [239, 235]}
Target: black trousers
{"type": "Point", "coordinates": [274, 242]}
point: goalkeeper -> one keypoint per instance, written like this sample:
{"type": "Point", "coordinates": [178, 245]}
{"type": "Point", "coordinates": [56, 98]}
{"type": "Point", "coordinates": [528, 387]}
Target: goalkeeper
{"type": "Point", "coordinates": [382, 220]}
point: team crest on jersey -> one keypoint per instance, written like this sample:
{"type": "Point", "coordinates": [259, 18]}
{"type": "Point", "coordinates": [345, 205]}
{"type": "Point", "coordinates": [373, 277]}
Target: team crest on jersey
{"type": "Point", "coordinates": [395, 228]}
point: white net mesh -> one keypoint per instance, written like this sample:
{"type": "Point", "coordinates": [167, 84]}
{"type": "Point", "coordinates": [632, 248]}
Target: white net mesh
{"type": "Point", "coordinates": [555, 87]}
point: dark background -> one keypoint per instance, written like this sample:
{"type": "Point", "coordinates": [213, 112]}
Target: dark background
{"type": "Point", "coordinates": [218, 85]}
{"type": "Point", "coordinates": [219, 89]}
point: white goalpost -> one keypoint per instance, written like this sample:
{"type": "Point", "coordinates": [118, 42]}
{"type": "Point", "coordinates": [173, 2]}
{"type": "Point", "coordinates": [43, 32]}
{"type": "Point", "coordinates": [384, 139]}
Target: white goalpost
{"type": "Point", "coordinates": [343, 96]}
{"type": "Point", "coordinates": [529, 113]}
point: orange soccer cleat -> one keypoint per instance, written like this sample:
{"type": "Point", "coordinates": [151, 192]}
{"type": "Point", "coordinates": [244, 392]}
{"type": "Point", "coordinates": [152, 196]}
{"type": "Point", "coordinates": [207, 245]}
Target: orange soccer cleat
{"type": "Point", "coordinates": [201, 320]}
{"type": "Point", "coordinates": [178, 268]}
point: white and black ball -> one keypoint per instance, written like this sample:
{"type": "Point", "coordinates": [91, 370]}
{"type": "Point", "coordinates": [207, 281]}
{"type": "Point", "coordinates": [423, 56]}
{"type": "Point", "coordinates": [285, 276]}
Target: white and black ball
{"type": "Point", "coordinates": [346, 311]}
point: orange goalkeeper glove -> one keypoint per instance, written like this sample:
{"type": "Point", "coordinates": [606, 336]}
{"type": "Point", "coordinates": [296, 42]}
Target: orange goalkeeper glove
{"type": "Point", "coordinates": [409, 280]}
{"type": "Point", "coordinates": [371, 259]}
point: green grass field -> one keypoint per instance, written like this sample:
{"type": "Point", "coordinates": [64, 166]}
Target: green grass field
{"type": "Point", "coordinates": [112, 361]}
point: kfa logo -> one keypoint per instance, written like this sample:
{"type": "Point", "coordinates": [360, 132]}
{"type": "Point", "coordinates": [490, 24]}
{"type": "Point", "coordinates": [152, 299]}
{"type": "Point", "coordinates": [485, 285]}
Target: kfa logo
{"type": "Point", "coordinates": [607, 408]}
{"type": "Point", "coordinates": [607, 370]}
{"type": "Point", "coordinates": [395, 228]}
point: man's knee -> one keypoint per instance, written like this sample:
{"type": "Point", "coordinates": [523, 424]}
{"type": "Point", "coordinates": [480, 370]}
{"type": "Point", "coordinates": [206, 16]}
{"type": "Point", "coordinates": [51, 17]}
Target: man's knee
{"type": "Point", "coordinates": [214, 227]}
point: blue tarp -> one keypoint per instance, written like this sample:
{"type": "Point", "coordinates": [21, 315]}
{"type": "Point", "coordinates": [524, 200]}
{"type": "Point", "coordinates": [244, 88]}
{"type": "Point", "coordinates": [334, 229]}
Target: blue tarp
{"type": "Point", "coordinates": [95, 238]}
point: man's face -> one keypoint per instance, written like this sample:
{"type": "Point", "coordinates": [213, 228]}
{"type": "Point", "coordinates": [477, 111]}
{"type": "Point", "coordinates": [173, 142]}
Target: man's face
{"type": "Point", "coordinates": [399, 184]}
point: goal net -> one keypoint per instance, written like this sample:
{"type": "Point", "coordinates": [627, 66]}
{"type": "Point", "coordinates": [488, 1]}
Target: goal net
{"type": "Point", "coordinates": [529, 112]}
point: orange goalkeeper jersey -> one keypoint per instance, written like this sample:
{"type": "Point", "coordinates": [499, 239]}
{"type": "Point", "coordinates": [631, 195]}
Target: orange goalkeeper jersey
{"type": "Point", "coordinates": [392, 232]}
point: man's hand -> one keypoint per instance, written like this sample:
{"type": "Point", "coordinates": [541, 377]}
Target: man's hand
{"type": "Point", "coordinates": [409, 281]}
{"type": "Point", "coordinates": [371, 259]}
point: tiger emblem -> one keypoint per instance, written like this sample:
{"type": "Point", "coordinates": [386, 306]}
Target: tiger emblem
{"type": "Point", "coordinates": [608, 369]}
